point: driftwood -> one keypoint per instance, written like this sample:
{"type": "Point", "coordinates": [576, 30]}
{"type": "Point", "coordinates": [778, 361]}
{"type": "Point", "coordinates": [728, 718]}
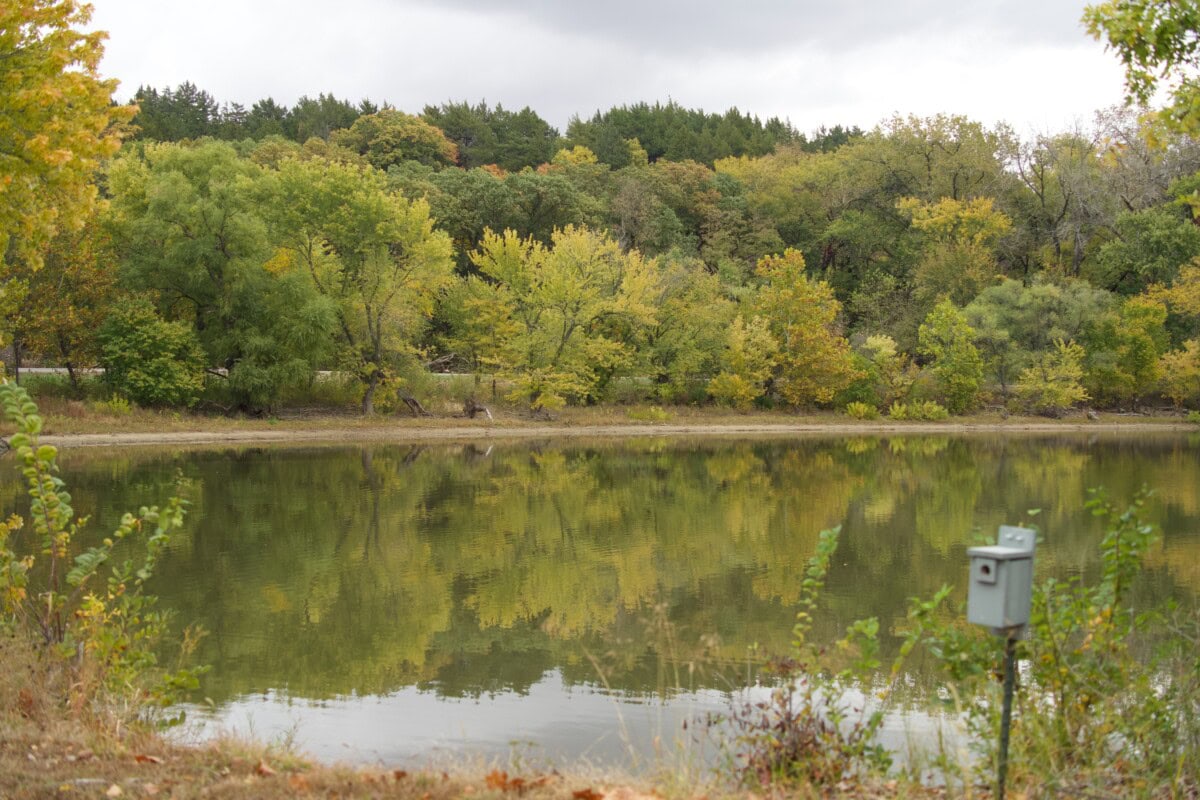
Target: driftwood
{"type": "Point", "coordinates": [441, 363]}
{"type": "Point", "coordinates": [414, 405]}
{"type": "Point", "coordinates": [471, 408]}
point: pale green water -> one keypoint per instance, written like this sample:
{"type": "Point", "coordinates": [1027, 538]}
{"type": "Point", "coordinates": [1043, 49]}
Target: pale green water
{"type": "Point", "coordinates": [395, 599]}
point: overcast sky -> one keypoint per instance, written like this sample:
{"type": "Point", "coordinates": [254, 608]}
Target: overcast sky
{"type": "Point", "coordinates": [853, 62]}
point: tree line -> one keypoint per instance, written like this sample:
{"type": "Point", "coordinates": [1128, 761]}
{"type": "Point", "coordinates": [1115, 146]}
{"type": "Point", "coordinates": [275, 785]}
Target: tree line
{"type": "Point", "coordinates": [928, 266]}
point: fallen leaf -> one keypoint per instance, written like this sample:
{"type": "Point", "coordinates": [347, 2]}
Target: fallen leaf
{"type": "Point", "coordinates": [587, 794]}
{"type": "Point", "coordinates": [114, 791]}
{"type": "Point", "coordinates": [145, 759]}
{"type": "Point", "coordinates": [399, 774]}
{"type": "Point", "coordinates": [497, 780]}
{"type": "Point", "coordinates": [25, 703]}
{"type": "Point", "coordinates": [264, 769]}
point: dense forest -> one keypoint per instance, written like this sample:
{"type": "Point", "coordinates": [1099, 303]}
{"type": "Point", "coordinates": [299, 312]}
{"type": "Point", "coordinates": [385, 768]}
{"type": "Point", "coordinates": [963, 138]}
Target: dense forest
{"type": "Point", "coordinates": [925, 267]}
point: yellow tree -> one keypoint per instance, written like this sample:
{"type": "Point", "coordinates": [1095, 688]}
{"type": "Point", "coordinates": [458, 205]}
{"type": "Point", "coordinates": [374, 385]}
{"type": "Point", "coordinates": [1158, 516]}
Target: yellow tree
{"type": "Point", "coordinates": [57, 122]}
{"type": "Point", "coordinates": [580, 308]}
{"type": "Point", "coordinates": [958, 255]}
{"type": "Point", "coordinates": [814, 360]}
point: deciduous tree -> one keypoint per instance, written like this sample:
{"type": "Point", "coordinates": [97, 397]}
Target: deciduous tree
{"type": "Point", "coordinates": [947, 340]}
{"type": "Point", "coordinates": [814, 360]}
{"type": "Point", "coordinates": [57, 122]}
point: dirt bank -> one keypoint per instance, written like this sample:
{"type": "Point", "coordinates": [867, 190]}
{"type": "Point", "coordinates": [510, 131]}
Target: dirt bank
{"type": "Point", "coordinates": [461, 430]}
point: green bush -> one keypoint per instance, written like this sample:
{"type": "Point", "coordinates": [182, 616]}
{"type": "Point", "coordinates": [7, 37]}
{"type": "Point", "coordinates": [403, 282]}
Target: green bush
{"type": "Point", "coordinates": [149, 360]}
{"type": "Point", "coordinates": [898, 411]}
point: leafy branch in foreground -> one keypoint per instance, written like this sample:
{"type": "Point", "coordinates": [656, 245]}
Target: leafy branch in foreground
{"type": "Point", "coordinates": [1110, 693]}
{"type": "Point", "coordinates": [102, 628]}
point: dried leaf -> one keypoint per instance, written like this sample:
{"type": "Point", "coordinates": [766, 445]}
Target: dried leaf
{"type": "Point", "coordinates": [114, 791]}
{"type": "Point", "coordinates": [264, 769]}
{"type": "Point", "coordinates": [298, 782]}
{"type": "Point", "coordinates": [399, 774]}
{"type": "Point", "coordinates": [142, 758]}
{"type": "Point", "coordinates": [587, 794]}
{"type": "Point", "coordinates": [25, 703]}
{"type": "Point", "coordinates": [497, 780]}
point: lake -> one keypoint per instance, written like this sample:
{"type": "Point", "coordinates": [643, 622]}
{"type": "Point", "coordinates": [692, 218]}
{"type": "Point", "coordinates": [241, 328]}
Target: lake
{"type": "Point", "coordinates": [567, 600]}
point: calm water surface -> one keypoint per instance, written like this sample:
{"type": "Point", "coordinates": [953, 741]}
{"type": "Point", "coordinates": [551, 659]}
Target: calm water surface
{"type": "Point", "coordinates": [569, 599]}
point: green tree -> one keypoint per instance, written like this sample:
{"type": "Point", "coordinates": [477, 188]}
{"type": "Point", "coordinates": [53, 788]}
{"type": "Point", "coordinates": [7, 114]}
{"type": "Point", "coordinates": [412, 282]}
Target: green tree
{"type": "Point", "coordinates": [1150, 247]}
{"type": "Point", "coordinates": [372, 254]}
{"type": "Point", "coordinates": [690, 329]}
{"type": "Point", "coordinates": [188, 226]}
{"type": "Point", "coordinates": [1014, 322]}
{"type": "Point", "coordinates": [70, 297]}
{"type": "Point", "coordinates": [57, 123]}
{"type": "Point", "coordinates": [390, 137]}
{"type": "Point", "coordinates": [149, 360]}
{"type": "Point", "coordinates": [186, 112]}
{"type": "Point", "coordinates": [1123, 350]}
{"type": "Point", "coordinates": [814, 361]}
{"type": "Point", "coordinates": [958, 255]}
{"type": "Point", "coordinates": [948, 341]}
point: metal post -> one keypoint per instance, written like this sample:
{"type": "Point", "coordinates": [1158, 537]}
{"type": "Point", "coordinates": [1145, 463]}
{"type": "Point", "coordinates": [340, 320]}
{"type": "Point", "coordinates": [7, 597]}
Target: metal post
{"type": "Point", "coordinates": [1010, 669]}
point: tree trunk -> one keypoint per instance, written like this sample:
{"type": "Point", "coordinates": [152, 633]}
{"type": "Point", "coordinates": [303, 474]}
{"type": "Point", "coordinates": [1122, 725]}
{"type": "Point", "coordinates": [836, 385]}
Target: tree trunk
{"type": "Point", "coordinates": [368, 403]}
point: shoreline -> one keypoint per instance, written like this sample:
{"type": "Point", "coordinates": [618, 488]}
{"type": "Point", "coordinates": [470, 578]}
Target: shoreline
{"type": "Point", "coordinates": [459, 430]}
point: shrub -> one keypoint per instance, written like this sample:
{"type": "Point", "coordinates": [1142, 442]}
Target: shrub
{"type": "Point", "coordinates": [149, 360]}
{"type": "Point", "coordinates": [733, 390]}
{"type": "Point", "coordinates": [927, 410]}
{"type": "Point", "coordinates": [918, 410]}
{"type": "Point", "coordinates": [1052, 384]}
{"type": "Point", "coordinates": [859, 410]}
{"type": "Point", "coordinates": [806, 733]}
{"type": "Point", "coordinates": [649, 414]}
{"type": "Point", "coordinates": [1108, 693]}
{"type": "Point", "coordinates": [116, 406]}
{"type": "Point", "coordinates": [102, 629]}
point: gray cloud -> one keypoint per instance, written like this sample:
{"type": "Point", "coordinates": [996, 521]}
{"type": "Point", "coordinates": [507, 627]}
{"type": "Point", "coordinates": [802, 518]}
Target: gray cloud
{"type": "Point", "coordinates": [747, 26]}
{"type": "Point", "coordinates": [813, 63]}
